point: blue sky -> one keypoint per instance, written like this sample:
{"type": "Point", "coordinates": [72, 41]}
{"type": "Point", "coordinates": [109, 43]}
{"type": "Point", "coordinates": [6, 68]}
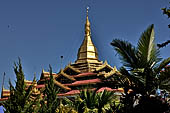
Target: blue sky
{"type": "Point", "coordinates": [1, 109]}
{"type": "Point", "coordinates": [40, 31]}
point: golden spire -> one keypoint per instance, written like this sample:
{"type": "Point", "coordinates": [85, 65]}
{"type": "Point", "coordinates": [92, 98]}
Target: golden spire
{"type": "Point", "coordinates": [87, 25]}
{"type": "Point", "coordinates": [87, 51]}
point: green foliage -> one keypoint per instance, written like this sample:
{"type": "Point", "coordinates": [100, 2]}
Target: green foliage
{"type": "Point", "coordinates": [50, 102]}
{"type": "Point", "coordinates": [126, 51]}
{"type": "Point", "coordinates": [164, 79]}
{"type": "Point", "coordinates": [151, 105]}
{"type": "Point", "coordinates": [67, 107]}
{"type": "Point", "coordinates": [166, 11]}
{"type": "Point", "coordinates": [141, 70]}
{"type": "Point", "coordinates": [91, 101]}
{"type": "Point", "coordinates": [19, 100]}
{"type": "Point", "coordinates": [142, 61]}
{"type": "Point", "coordinates": [147, 52]}
{"type": "Point", "coordinates": [106, 101]}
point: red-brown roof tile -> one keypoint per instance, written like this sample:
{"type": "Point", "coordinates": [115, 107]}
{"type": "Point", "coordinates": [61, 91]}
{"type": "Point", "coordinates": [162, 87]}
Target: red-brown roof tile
{"type": "Point", "coordinates": [105, 88]}
{"type": "Point", "coordinates": [85, 74]}
{"type": "Point", "coordinates": [6, 91]}
{"type": "Point", "coordinates": [84, 82]}
{"type": "Point", "coordinates": [3, 99]}
{"type": "Point", "coordinates": [40, 86]}
{"type": "Point", "coordinates": [72, 92]}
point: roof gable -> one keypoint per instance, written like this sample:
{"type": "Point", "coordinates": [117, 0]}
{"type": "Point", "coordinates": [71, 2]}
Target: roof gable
{"type": "Point", "coordinates": [65, 75]}
{"type": "Point", "coordinates": [105, 67]}
{"type": "Point", "coordinates": [111, 73]}
{"type": "Point", "coordinates": [71, 70]}
{"type": "Point", "coordinates": [45, 74]}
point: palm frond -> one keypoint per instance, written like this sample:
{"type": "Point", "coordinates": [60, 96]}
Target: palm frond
{"type": "Point", "coordinates": [136, 82]}
{"type": "Point", "coordinates": [105, 98]}
{"type": "Point", "coordinates": [164, 79]}
{"type": "Point", "coordinates": [127, 53]}
{"type": "Point", "coordinates": [147, 51]}
{"type": "Point", "coordinates": [162, 65]}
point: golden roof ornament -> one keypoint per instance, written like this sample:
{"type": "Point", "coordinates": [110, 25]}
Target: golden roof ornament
{"type": "Point", "coordinates": [87, 51]}
{"type": "Point", "coordinates": [43, 71]}
{"type": "Point", "coordinates": [87, 25]}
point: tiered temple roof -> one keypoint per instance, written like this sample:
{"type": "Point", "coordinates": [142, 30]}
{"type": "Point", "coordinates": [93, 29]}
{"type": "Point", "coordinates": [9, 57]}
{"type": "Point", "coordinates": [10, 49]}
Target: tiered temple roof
{"type": "Point", "coordinates": [5, 93]}
{"type": "Point", "coordinates": [87, 70]}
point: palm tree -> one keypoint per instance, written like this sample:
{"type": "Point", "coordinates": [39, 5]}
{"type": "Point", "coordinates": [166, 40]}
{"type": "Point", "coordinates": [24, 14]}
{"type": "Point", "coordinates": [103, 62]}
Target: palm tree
{"type": "Point", "coordinates": [164, 79]}
{"type": "Point", "coordinates": [91, 101]}
{"type": "Point", "coordinates": [141, 64]}
{"type": "Point", "coordinates": [106, 102]}
{"type": "Point", "coordinates": [86, 101]}
{"type": "Point", "coordinates": [142, 69]}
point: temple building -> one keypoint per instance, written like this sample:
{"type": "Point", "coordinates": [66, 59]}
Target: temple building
{"type": "Point", "coordinates": [86, 71]}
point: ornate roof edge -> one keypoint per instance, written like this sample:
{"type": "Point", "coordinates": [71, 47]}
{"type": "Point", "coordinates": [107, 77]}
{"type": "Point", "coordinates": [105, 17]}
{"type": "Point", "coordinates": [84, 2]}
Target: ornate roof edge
{"type": "Point", "coordinates": [105, 65]}
{"type": "Point", "coordinates": [61, 85]}
{"type": "Point", "coordinates": [111, 72]}
{"type": "Point", "coordinates": [65, 75]}
{"type": "Point", "coordinates": [71, 67]}
{"type": "Point", "coordinates": [27, 81]}
{"type": "Point", "coordinates": [43, 73]}
{"type": "Point", "coordinates": [5, 92]}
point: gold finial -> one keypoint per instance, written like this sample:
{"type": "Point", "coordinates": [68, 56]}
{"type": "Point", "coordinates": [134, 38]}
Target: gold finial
{"type": "Point", "coordinates": [87, 25]}
{"type": "Point", "coordinates": [87, 51]}
{"type": "Point", "coordinates": [87, 10]}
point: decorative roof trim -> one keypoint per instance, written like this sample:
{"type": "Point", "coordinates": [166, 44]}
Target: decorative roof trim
{"type": "Point", "coordinates": [27, 81]}
{"type": "Point", "coordinates": [65, 75]}
{"type": "Point", "coordinates": [61, 85]}
{"type": "Point", "coordinates": [5, 90]}
{"type": "Point", "coordinates": [113, 71]}
{"type": "Point", "coordinates": [71, 67]}
{"type": "Point", "coordinates": [104, 65]}
{"type": "Point", "coordinates": [45, 74]}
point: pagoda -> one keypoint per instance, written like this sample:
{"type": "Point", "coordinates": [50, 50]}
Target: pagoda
{"type": "Point", "coordinates": [86, 72]}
